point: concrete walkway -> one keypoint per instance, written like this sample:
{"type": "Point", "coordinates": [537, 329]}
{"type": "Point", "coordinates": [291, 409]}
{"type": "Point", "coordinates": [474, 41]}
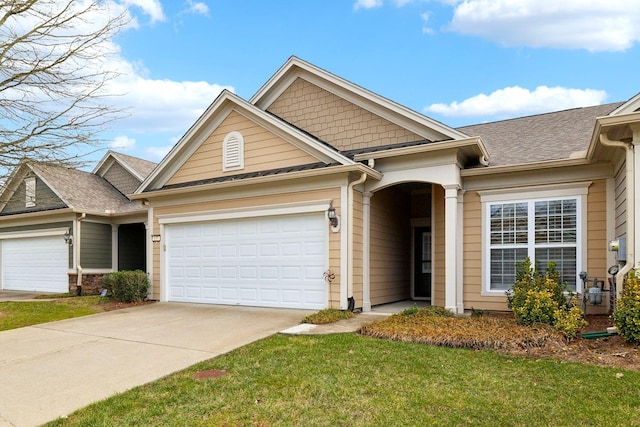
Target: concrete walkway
{"type": "Point", "coordinates": [50, 370]}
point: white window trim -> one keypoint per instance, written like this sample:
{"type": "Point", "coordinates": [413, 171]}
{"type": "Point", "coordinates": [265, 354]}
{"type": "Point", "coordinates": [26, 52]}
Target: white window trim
{"type": "Point", "coordinates": [578, 191]}
{"type": "Point", "coordinates": [236, 164]}
{"type": "Point", "coordinates": [30, 192]}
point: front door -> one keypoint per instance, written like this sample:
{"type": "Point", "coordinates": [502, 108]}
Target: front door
{"type": "Point", "coordinates": [422, 263]}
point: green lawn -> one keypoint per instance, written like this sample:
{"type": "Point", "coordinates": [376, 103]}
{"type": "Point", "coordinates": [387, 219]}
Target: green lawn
{"type": "Point", "coordinates": [16, 314]}
{"type": "Point", "coordinates": [352, 380]}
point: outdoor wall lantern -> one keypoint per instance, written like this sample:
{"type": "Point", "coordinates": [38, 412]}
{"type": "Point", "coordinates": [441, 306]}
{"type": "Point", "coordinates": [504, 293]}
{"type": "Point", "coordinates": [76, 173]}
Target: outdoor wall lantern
{"type": "Point", "coordinates": [334, 219]}
{"type": "Point", "coordinates": [155, 238]}
{"type": "Point", "coordinates": [68, 238]}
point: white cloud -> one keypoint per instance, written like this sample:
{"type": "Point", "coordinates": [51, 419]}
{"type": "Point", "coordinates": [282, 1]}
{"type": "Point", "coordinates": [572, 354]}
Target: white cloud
{"type": "Point", "coordinates": [516, 101]}
{"type": "Point", "coordinates": [197, 7]}
{"type": "Point", "coordinates": [367, 4]}
{"type": "Point", "coordinates": [153, 8]}
{"type": "Point", "coordinates": [122, 142]}
{"type": "Point", "coordinates": [594, 25]}
{"type": "Point", "coordinates": [156, 105]}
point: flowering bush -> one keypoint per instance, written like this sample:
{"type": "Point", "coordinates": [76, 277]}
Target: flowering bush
{"type": "Point", "coordinates": [627, 314]}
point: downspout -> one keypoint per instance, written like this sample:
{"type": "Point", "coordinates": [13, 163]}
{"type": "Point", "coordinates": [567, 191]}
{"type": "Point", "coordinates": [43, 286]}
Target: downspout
{"type": "Point", "coordinates": [351, 301]}
{"type": "Point", "coordinates": [631, 225]}
{"type": "Point", "coordinates": [78, 249]}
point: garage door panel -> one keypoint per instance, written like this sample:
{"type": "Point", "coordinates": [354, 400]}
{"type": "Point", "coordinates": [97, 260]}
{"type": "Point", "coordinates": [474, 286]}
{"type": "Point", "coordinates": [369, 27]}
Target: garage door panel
{"type": "Point", "coordinates": [270, 261]}
{"type": "Point", "coordinates": [35, 264]}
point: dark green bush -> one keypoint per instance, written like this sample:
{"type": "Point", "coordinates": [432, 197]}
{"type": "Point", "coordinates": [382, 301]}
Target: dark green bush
{"type": "Point", "coordinates": [127, 286]}
{"type": "Point", "coordinates": [627, 314]}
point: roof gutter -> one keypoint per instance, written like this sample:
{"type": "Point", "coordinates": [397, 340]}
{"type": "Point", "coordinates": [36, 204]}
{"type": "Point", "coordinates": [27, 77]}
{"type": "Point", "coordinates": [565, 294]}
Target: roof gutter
{"type": "Point", "coordinates": [631, 226]}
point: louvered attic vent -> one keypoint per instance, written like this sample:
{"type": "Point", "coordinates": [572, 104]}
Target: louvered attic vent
{"type": "Point", "coordinates": [233, 152]}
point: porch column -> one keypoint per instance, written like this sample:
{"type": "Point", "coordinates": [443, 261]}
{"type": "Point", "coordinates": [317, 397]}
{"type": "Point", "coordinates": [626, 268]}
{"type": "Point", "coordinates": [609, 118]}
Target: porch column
{"type": "Point", "coordinates": [366, 262]}
{"type": "Point", "coordinates": [632, 231]}
{"type": "Point", "coordinates": [451, 246]}
{"type": "Point", "coordinates": [114, 247]}
{"type": "Point", "coordinates": [460, 256]}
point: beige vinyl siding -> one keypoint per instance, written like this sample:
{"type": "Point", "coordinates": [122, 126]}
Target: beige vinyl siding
{"type": "Point", "coordinates": [257, 202]}
{"type": "Point", "coordinates": [95, 245]}
{"type": "Point", "coordinates": [389, 247]}
{"type": "Point", "coordinates": [621, 200]}
{"type": "Point", "coordinates": [438, 297]}
{"type": "Point", "coordinates": [335, 120]}
{"type": "Point", "coordinates": [262, 151]}
{"type": "Point", "coordinates": [357, 247]}
{"type": "Point", "coordinates": [597, 230]}
{"type": "Point", "coordinates": [596, 241]}
{"type": "Point", "coordinates": [472, 258]}
{"type": "Point", "coordinates": [121, 179]}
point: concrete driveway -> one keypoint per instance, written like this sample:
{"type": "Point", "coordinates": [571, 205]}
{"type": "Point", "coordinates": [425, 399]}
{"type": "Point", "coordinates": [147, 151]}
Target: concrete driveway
{"type": "Point", "coordinates": [50, 370]}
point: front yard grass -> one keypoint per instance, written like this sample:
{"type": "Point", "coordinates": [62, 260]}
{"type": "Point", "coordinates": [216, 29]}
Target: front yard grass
{"type": "Point", "coordinates": [354, 380]}
{"type": "Point", "coordinates": [17, 314]}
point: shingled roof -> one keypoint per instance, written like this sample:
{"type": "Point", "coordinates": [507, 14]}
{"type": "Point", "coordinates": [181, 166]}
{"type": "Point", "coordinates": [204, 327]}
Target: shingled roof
{"type": "Point", "coordinates": [543, 137]}
{"type": "Point", "coordinates": [84, 191]}
{"type": "Point", "coordinates": [140, 166]}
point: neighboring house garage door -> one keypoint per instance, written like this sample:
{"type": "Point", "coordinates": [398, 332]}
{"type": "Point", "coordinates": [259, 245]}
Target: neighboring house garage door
{"type": "Point", "coordinates": [35, 264]}
{"type": "Point", "coordinates": [274, 261]}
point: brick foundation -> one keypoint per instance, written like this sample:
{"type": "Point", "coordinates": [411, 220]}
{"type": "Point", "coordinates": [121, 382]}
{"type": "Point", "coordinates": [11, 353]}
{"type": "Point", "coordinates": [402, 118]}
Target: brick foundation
{"type": "Point", "coordinates": [91, 283]}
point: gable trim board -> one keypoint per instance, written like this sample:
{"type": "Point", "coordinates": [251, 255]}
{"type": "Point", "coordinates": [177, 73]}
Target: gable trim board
{"type": "Point", "coordinates": [296, 68]}
{"type": "Point", "coordinates": [213, 117]}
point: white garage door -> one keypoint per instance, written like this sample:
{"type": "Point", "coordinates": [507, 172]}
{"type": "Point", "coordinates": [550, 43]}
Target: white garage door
{"type": "Point", "coordinates": [35, 264]}
{"type": "Point", "coordinates": [267, 261]}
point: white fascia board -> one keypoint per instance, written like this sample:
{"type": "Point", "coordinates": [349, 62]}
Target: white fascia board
{"type": "Point", "coordinates": [609, 121]}
{"type": "Point", "coordinates": [107, 158]}
{"type": "Point", "coordinates": [474, 142]}
{"type": "Point", "coordinates": [381, 106]}
{"type": "Point", "coordinates": [356, 167]}
{"type": "Point", "coordinates": [628, 107]}
{"type": "Point", "coordinates": [292, 135]}
{"type": "Point", "coordinates": [213, 117]}
{"type": "Point", "coordinates": [523, 167]}
{"type": "Point", "coordinates": [177, 152]}
{"type": "Point", "coordinates": [53, 189]}
{"type": "Point", "coordinates": [13, 182]}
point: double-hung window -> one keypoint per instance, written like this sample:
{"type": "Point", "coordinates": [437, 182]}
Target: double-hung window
{"type": "Point", "coordinates": [545, 230]}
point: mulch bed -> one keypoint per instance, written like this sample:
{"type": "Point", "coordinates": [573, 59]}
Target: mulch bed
{"type": "Point", "coordinates": [610, 351]}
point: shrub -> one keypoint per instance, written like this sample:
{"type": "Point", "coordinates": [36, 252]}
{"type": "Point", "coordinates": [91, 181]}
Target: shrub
{"type": "Point", "coordinates": [529, 278]}
{"type": "Point", "coordinates": [627, 314]}
{"type": "Point", "coordinates": [569, 321]}
{"type": "Point", "coordinates": [540, 298]}
{"type": "Point", "coordinates": [127, 286]}
{"type": "Point", "coordinates": [537, 306]}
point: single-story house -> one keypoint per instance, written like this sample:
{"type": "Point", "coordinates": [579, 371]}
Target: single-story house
{"type": "Point", "coordinates": [61, 228]}
{"type": "Point", "coordinates": [319, 193]}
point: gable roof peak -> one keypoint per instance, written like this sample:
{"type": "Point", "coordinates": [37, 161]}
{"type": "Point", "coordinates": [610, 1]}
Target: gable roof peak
{"type": "Point", "coordinates": [405, 117]}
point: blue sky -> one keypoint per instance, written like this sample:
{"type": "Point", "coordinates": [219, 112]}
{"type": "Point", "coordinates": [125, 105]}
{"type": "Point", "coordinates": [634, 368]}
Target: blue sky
{"type": "Point", "coordinates": [459, 62]}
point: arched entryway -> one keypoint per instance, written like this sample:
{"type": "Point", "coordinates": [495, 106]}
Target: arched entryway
{"type": "Point", "coordinates": [401, 243]}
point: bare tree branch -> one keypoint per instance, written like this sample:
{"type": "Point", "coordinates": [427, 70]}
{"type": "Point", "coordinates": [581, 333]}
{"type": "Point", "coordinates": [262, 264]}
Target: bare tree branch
{"type": "Point", "coordinates": [53, 82]}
